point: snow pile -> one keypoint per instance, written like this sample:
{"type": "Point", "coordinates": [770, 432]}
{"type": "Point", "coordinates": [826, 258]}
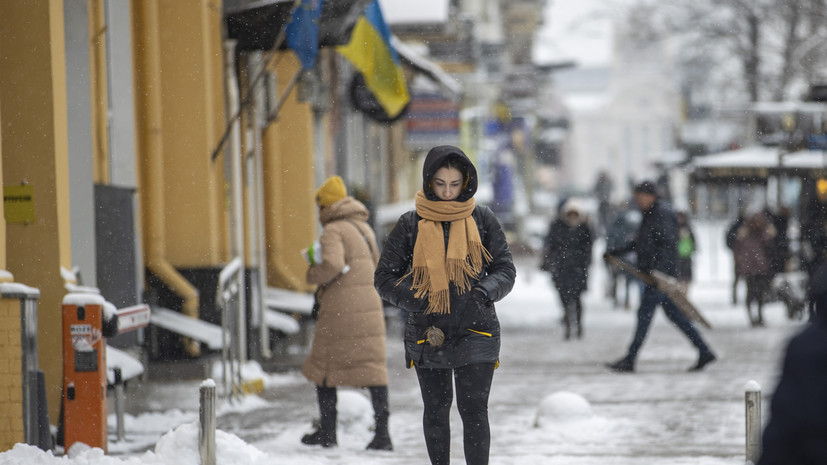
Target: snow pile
{"type": "Point", "coordinates": [177, 447]}
{"type": "Point", "coordinates": [562, 407]}
{"type": "Point", "coordinates": [354, 411]}
{"type": "Point", "coordinates": [566, 419]}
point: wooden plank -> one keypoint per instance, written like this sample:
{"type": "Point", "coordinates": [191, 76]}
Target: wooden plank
{"type": "Point", "coordinates": [666, 284]}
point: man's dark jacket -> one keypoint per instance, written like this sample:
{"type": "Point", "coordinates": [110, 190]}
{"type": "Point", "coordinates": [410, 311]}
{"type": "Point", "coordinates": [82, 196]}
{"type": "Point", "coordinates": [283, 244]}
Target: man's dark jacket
{"type": "Point", "coordinates": [656, 241]}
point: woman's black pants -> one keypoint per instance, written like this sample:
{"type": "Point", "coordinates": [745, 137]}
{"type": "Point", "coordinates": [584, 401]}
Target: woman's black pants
{"type": "Point", "coordinates": [473, 384]}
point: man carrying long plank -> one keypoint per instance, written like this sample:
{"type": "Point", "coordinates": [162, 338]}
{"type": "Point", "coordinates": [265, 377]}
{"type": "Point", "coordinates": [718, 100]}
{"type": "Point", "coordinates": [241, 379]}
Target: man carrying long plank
{"type": "Point", "coordinates": [656, 247]}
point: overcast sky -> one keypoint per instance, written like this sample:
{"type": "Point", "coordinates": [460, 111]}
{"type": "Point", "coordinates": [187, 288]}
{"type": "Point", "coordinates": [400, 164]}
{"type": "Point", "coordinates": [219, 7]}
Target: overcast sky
{"type": "Point", "coordinates": [577, 30]}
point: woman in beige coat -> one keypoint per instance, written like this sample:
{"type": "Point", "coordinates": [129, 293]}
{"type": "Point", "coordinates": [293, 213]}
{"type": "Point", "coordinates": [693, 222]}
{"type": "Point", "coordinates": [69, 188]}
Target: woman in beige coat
{"type": "Point", "coordinates": [349, 341]}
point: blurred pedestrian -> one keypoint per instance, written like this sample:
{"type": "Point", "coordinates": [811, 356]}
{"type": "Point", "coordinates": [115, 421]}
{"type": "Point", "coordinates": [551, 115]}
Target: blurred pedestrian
{"type": "Point", "coordinates": [656, 247]}
{"type": "Point", "coordinates": [729, 239]}
{"type": "Point", "coordinates": [620, 230]}
{"type": "Point", "coordinates": [753, 260]}
{"type": "Point", "coordinates": [780, 250]}
{"type": "Point", "coordinates": [686, 249]}
{"type": "Point", "coordinates": [797, 427]}
{"type": "Point", "coordinates": [349, 340]}
{"type": "Point", "coordinates": [446, 263]}
{"type": "Point", "coordinates": [602, 190]}
{"type": "Point", "coordinates": [568, 253]}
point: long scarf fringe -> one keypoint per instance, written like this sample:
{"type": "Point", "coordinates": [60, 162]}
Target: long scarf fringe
{"type": "Point", "coordinates": [457, 270]}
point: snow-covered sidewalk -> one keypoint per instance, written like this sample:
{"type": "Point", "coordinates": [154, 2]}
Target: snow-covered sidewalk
{"type": "Point", "coordinates": [658, 415]}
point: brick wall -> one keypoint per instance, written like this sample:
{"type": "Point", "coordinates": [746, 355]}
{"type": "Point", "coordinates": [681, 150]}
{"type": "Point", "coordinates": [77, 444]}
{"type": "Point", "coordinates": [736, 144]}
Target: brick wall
{"type": "Point", "coordinates": [11, 381]}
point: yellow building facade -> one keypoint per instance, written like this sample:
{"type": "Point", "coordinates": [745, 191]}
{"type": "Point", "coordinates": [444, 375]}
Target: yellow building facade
{"type": "Point", "coordinates": [185, 222]}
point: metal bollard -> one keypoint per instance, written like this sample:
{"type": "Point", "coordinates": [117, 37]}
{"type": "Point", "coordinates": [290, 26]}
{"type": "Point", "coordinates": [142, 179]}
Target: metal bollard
{"type": "Point", "coordinates": [206, 430]}
{"type": "Point", "coordinates": [752, 397]}
{"type": "Point", "coordinates": [119, 403]}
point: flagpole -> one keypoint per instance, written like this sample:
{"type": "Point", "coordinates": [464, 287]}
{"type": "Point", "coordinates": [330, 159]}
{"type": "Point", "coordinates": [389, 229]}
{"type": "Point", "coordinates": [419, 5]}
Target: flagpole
{"type": "Point", "coordinates": [249, 93]}
{"type": "Point", "coordinates": [283, 97]}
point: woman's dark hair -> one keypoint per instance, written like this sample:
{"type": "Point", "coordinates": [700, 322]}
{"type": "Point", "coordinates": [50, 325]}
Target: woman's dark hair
{"type": "Point", "coordinates": [460, 165]}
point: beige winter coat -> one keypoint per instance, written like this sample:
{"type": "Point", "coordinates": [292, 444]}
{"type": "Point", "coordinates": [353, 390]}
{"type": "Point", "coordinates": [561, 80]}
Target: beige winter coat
{"type": "Point", "coordinates": [349, 340]}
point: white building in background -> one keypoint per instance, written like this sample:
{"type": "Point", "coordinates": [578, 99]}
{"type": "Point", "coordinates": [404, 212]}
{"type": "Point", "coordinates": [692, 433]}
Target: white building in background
{"type": "Point", "coordinates": [623, 116]}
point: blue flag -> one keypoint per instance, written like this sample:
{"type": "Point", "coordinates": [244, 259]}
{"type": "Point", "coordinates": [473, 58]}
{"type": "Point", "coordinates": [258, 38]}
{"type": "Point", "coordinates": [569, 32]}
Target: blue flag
{"type": "Point", "coordinates": [303, 31]}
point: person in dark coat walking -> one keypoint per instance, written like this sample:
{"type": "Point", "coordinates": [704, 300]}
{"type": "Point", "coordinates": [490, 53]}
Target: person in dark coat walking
{"type": "Point", "coordinates": [656, 247]}
{"type": "Point", "coordinates": [621, 230]}
{"type": "Point", "coordinates": [796, 431]}
{"type": "Point", "coordinates": [446, 263]}
{"type": "Point", "coordinates": [753, 260]}
{"type": "Point", "coordinates": [729, 238]}
{"type": "Point", "coordinates": [568, 253]}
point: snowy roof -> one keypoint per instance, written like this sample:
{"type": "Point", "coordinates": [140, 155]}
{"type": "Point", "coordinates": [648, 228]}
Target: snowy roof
{"type": "Point", "coordinates": [759, 161]}
{"type": "Point", "coordinates": [806, 159]}
{"type": "Point", "coordinates": [586, 101]}
{"type": "Point", "coordinates": [432, 70]}
{"type": "Point", "coordinates": [747, 157]}
{"type": "Point", "coordinates": [421, 11]}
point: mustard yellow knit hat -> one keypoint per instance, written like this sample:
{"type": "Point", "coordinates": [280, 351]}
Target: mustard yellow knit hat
{"type": "Point", "coordinates": [332, 191]}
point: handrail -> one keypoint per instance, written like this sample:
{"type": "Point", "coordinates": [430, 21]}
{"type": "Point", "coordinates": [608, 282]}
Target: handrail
{"type": "Point", "coordinates": [227, 273]}
{"type": "Point", "coordinates": [227, 288]}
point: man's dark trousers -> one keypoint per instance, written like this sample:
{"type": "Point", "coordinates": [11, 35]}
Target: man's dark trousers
{"type": "Point", "coordinates": [649, 301]}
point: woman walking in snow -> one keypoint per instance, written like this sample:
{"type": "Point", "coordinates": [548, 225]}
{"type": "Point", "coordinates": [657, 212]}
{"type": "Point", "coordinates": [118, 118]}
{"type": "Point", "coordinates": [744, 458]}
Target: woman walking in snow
{"type": "Point", "coordinates": [446, 263]}
{"type": "Point", "coordinates": [349, 341]}
{"type": "Point", "coordinates": [568, 254]}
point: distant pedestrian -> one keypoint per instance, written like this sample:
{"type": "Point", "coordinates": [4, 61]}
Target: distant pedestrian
{"type": "Point", "coordinates": [621, 230]}
{"type": "Point", "coordinates": [752, 250]}
{"type": "Point", "coordinates": [602, 190]}
{"type": "Point", "coordinates": [780, 250]}
{"type": "Point", "coordinates": [656, 247]}
{"type": "Point", "coordinates": [349, 341]}
{"type": "Point", "coordinates": [729, 239]}
{"type": "Point", "coordinates": [796, 431]}
{"type": "Point", "coordinates": [686, 249]}
{"type": "Point", "coordinates": [568, 254]}
{"type": "Point", "coordinates": [446, 263]}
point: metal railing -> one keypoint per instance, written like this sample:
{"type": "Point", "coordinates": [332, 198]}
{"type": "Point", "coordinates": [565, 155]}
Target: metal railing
{"type": "Point", "coordinates": [228, 299]}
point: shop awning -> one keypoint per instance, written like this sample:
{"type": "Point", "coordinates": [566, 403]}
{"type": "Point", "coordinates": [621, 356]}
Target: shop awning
{"type": "Point", "coordinates": [423, 65]}
{"type": "Point", "coordinates": [757, 163]}
{"type": "Point", "coordinates": [256, 24]}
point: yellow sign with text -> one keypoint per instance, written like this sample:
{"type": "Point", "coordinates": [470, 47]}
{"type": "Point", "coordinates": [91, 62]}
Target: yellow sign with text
{"type": "Point", "coordinates": [18, 204]}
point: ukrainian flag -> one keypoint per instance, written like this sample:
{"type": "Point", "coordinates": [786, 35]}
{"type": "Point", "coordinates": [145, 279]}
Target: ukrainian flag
{"type": "Point", "coordinates": [370, 52]}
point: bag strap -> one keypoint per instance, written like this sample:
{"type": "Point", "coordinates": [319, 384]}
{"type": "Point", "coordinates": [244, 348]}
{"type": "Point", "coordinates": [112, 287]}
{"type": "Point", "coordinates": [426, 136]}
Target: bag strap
{"type": "Point", "coordinates": [364, 236]}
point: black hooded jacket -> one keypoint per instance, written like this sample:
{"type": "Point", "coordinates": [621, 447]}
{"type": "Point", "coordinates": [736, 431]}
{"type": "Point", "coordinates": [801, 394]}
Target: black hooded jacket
{"type": "Point", "coordinates": [797, 426]}
{"type": "Point", "coordinates": [497, 278]}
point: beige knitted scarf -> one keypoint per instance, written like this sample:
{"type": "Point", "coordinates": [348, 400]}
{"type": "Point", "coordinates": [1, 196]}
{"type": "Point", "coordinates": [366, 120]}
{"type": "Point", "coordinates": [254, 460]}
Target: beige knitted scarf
{"type": "Point", "coordinates": [433, 267]}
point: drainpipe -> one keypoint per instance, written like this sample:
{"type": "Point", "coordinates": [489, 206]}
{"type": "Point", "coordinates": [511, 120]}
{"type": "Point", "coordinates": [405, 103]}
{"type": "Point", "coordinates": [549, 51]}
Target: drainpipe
{"type": "Point", "coordinates": [148, 88]}
{"type": "Point", "coordinates": [258, 245]}
{"type": "Point", "coordinates": [233, 102]}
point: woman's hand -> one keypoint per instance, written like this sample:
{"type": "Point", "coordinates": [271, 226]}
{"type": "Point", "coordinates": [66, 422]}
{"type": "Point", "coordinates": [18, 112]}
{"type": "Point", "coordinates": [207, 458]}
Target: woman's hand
{"type": "Point", "coordinates": [479, 312]}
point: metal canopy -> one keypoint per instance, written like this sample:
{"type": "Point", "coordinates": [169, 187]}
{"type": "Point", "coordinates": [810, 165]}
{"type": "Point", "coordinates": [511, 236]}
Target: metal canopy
{"type": "Point", "coordinates": [758, 163]}
{"type": "Point", "coordinates": [256, 24]}
{"type": "Point", "coordinates": [423, 65]}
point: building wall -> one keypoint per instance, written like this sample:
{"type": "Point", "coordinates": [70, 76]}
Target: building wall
{"type": "Point", "coordinates": [35, 152]}
{"type": "Point", "coordinates": [623, 117]}
{"type": "Point", "coordinates": [289, 187]}
{"type": "Point", "coordinates": [11, 381]}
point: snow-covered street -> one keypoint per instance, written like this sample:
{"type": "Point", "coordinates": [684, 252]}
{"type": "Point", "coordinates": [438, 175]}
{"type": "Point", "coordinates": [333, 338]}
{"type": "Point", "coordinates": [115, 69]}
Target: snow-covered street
{"type": "Point", "coordinates": [660, 414]}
